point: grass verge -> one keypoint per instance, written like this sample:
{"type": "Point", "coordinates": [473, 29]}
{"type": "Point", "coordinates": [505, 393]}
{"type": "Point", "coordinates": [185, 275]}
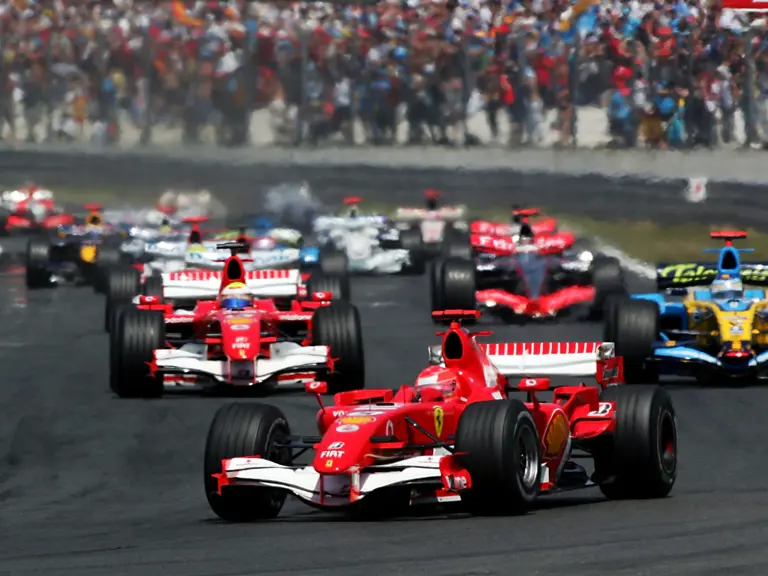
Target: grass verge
{"type": "Point", "coordinates": [653, 243]}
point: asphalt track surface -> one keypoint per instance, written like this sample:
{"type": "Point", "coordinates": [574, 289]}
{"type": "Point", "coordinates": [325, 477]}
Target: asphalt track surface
{"type": "Point", "coordinates": [94, 485]}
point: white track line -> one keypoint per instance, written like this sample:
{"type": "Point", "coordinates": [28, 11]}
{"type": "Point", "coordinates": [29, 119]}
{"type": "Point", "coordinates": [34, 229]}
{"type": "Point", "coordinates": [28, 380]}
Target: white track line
{"type": "Point", "coordinates": [638, 267]}
{"type": "Point", "coordinates": [642, 269]}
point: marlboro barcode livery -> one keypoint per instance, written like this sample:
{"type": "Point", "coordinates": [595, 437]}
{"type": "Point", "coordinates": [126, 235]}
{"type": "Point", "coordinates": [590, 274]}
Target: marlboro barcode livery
{"type": "Point", "coordinates": [237, 328]}
{"type": "Point", "coordinates": [455, 435]}
{"type": "Point", "coordinates": [524, 273]}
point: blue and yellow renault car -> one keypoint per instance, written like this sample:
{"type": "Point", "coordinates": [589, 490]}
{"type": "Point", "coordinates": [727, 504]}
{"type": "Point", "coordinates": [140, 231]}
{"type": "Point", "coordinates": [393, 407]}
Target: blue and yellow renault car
{"type": "Point", "coordinates": [708, 320]}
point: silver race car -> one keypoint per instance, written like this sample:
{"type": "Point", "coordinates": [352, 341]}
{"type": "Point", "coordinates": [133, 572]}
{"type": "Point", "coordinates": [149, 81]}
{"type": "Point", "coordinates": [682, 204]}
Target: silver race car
{"type": "Point", "coordinates": [368, 243]}
{"type": "Point", "coordinates": [435, 222]}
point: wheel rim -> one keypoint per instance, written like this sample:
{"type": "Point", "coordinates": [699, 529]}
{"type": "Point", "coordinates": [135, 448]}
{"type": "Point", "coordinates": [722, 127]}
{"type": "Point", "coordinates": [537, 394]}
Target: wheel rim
{"type": "Point", "coordinates": [527, 457]}
{"type": "Point", "coordinates": [667, 443]}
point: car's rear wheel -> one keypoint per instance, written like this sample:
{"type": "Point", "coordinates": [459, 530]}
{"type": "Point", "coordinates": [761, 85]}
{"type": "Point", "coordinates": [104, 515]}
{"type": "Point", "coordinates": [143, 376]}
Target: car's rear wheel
{"type": "Point", "coordinates": [338, 327]}
{"type": "Point", "coordinates": [38, 255]}
{"type": "Point", "coordinates": [333, 262]}
{"type": "Point", "coordinates": [412, 241]}
{"type": "Point", "coordinates": [636, 327]}
{"type": "Point", "coordinates": [608, 280]}
{"type": "Point", "coordinates": [456, 289]}
{"type": "Point", "coordinates": [107, 257]}
{"type": "Point", "coordinates": [436, 284]}
{"type": "Point", "coordinates": [240, 430]}
{"type": "Point", "coordinates": [153, 286]}
{"type": "Point", "coordinates": [122, 286]}
{"type": "Point", "coordinates": [338, 286]}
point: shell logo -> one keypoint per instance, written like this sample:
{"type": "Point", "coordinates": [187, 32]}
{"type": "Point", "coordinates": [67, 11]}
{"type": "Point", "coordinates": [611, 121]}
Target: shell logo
{"type": "Point", "coordinates": [556, 435]}
{"type": "Point", "coordinates": [357, 419]}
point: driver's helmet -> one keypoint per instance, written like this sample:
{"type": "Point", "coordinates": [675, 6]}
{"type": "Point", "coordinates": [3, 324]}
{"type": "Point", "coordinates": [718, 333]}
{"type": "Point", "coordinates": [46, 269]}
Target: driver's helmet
{"type": "Point", "coordinates": [431, 199]}
{"type": "Point", "coordinates": [353, 211]}
{"type": "Point", "coordinates": [727, 290]}
{"type": "Point", "coordinates": [235, 297]}
{"type": "Point", "coordinates": [516, 217]}
{"type": "Point", "coordinates": [264, 243]}
{"type": "Point", "coordinates": [525, 235]}
{"type": "Point", "coordinates": [94, 219]}
{"type": "Point", "coordinates": [165, 226]}
{"type": "Point", "coordinates": [437, 378]}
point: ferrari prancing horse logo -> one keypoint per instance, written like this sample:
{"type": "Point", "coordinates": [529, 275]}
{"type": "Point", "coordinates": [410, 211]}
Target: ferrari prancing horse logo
{"type": "Point", "coordinates": [439, 418]}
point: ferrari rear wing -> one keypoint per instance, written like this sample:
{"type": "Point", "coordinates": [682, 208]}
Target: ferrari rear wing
{"type": "Point", "coordinates": [543, 358]}
{"type": "Point", "coordinates": [205, 284]}
{"type": "Point", "coordinates": [548, 358]}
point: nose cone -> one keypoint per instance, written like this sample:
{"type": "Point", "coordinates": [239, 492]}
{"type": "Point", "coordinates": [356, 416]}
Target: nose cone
{"type": "Point", "coordinates": [345, 444]}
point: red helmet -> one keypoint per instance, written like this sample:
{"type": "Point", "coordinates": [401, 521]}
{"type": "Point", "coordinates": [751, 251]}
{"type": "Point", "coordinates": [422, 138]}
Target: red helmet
{"type": "Point", "coordinates": [439, 379]}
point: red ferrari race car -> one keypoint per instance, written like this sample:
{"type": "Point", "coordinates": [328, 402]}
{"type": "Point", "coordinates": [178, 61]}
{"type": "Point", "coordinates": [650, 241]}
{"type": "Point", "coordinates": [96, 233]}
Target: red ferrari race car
{"type": "Point", "coordinates": [456, 435]}
{"type": "Point", "coordinates": [175, 252]}
{"type": "Point", "coordinates": [530, 276]}
{"type": "Point", "coordinates": [237, 328]}
{"type": "Point", "coordinates": [31, 209]}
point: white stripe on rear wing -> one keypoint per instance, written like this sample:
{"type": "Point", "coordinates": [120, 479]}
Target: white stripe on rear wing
{"type": "Point", "coordinates": [548, 358]}
{"type": "Point", "coordinates": [206, 283]}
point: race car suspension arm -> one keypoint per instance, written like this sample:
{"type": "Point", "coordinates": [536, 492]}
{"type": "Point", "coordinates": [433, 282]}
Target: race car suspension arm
{"type": "Point", "coordinates": [299, 445]}
{"type": "Point", "coordinates": [435, 439]}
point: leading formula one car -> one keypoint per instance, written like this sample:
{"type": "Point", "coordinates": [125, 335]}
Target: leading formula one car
{"type": "Point", "coordinates": [457, 434]}
{"type": "Point", "coordinates": [237, 328]}
{"type": "Point", "coordinates": [78, 253]}
{"type": "Point", "coordinates": [532, 276]}
{"type": "Point", "coordinates": [435, 222]}
{"type": "Point", "coordinates": [717, 331]}
{"type": "Point", "coordinates": [368, 244]}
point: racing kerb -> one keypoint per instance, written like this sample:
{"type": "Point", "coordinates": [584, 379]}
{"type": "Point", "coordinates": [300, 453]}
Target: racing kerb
{"type": "Point", "coordinates": [239, 179]}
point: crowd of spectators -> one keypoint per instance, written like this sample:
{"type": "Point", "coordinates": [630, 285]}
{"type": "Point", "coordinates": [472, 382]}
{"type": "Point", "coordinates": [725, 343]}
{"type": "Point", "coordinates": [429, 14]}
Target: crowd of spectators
{"type": "Point", "coordinates": [664, 73]}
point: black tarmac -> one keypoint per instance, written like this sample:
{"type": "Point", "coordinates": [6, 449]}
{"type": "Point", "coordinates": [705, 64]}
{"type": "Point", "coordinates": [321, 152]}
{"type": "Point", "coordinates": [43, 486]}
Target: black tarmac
{"type": "Point", "coordinates": [94, 485]}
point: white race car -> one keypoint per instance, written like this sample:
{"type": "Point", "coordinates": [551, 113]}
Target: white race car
{"type": "Point", "coordinates": [174, 252]}
{"type": "Point", "coordinates": [433, 222]}
{"type": "Point", "coordinates": [370, 245]}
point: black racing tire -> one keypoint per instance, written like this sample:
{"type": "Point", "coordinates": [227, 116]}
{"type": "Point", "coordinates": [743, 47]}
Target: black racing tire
{"type": "Point", "coordinates": [153, 286]}
{"type": "Point", "coordinates": [106, 257]}
{"type": "Point", "coordinates": [435, 284]}
{"type": "Point", "coordinates": [499, 445]}
{"type": "Point", "coordinates": [136, 336]}
{"type": "Point", "coordinates": [456, 245]}
{"type": "Point", "coordinates": [37, 258]}
{"type": "Point", "coordinates": [412, 241]}
{"type": "Point", "coordinates": [332, 262]}
{"type": "Point", "coordinates": [238, 430]}
{"type": "Point", "coordinates": [637, 326]}
{"type": "Point", "coordinates": [610, 312]}
{"type": "Point", "coordinates": [608, 280]}
{"type": "Point", "coordinates": [640, 460]}
{"type": "Point", "coordinates": [338, 327]}
{"type": "Point", "coordinates": [338, 286]}
{"type": "Point", "coordinates": [123, 284]}
{"type": "Point", "coordinates": [458, 285]}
